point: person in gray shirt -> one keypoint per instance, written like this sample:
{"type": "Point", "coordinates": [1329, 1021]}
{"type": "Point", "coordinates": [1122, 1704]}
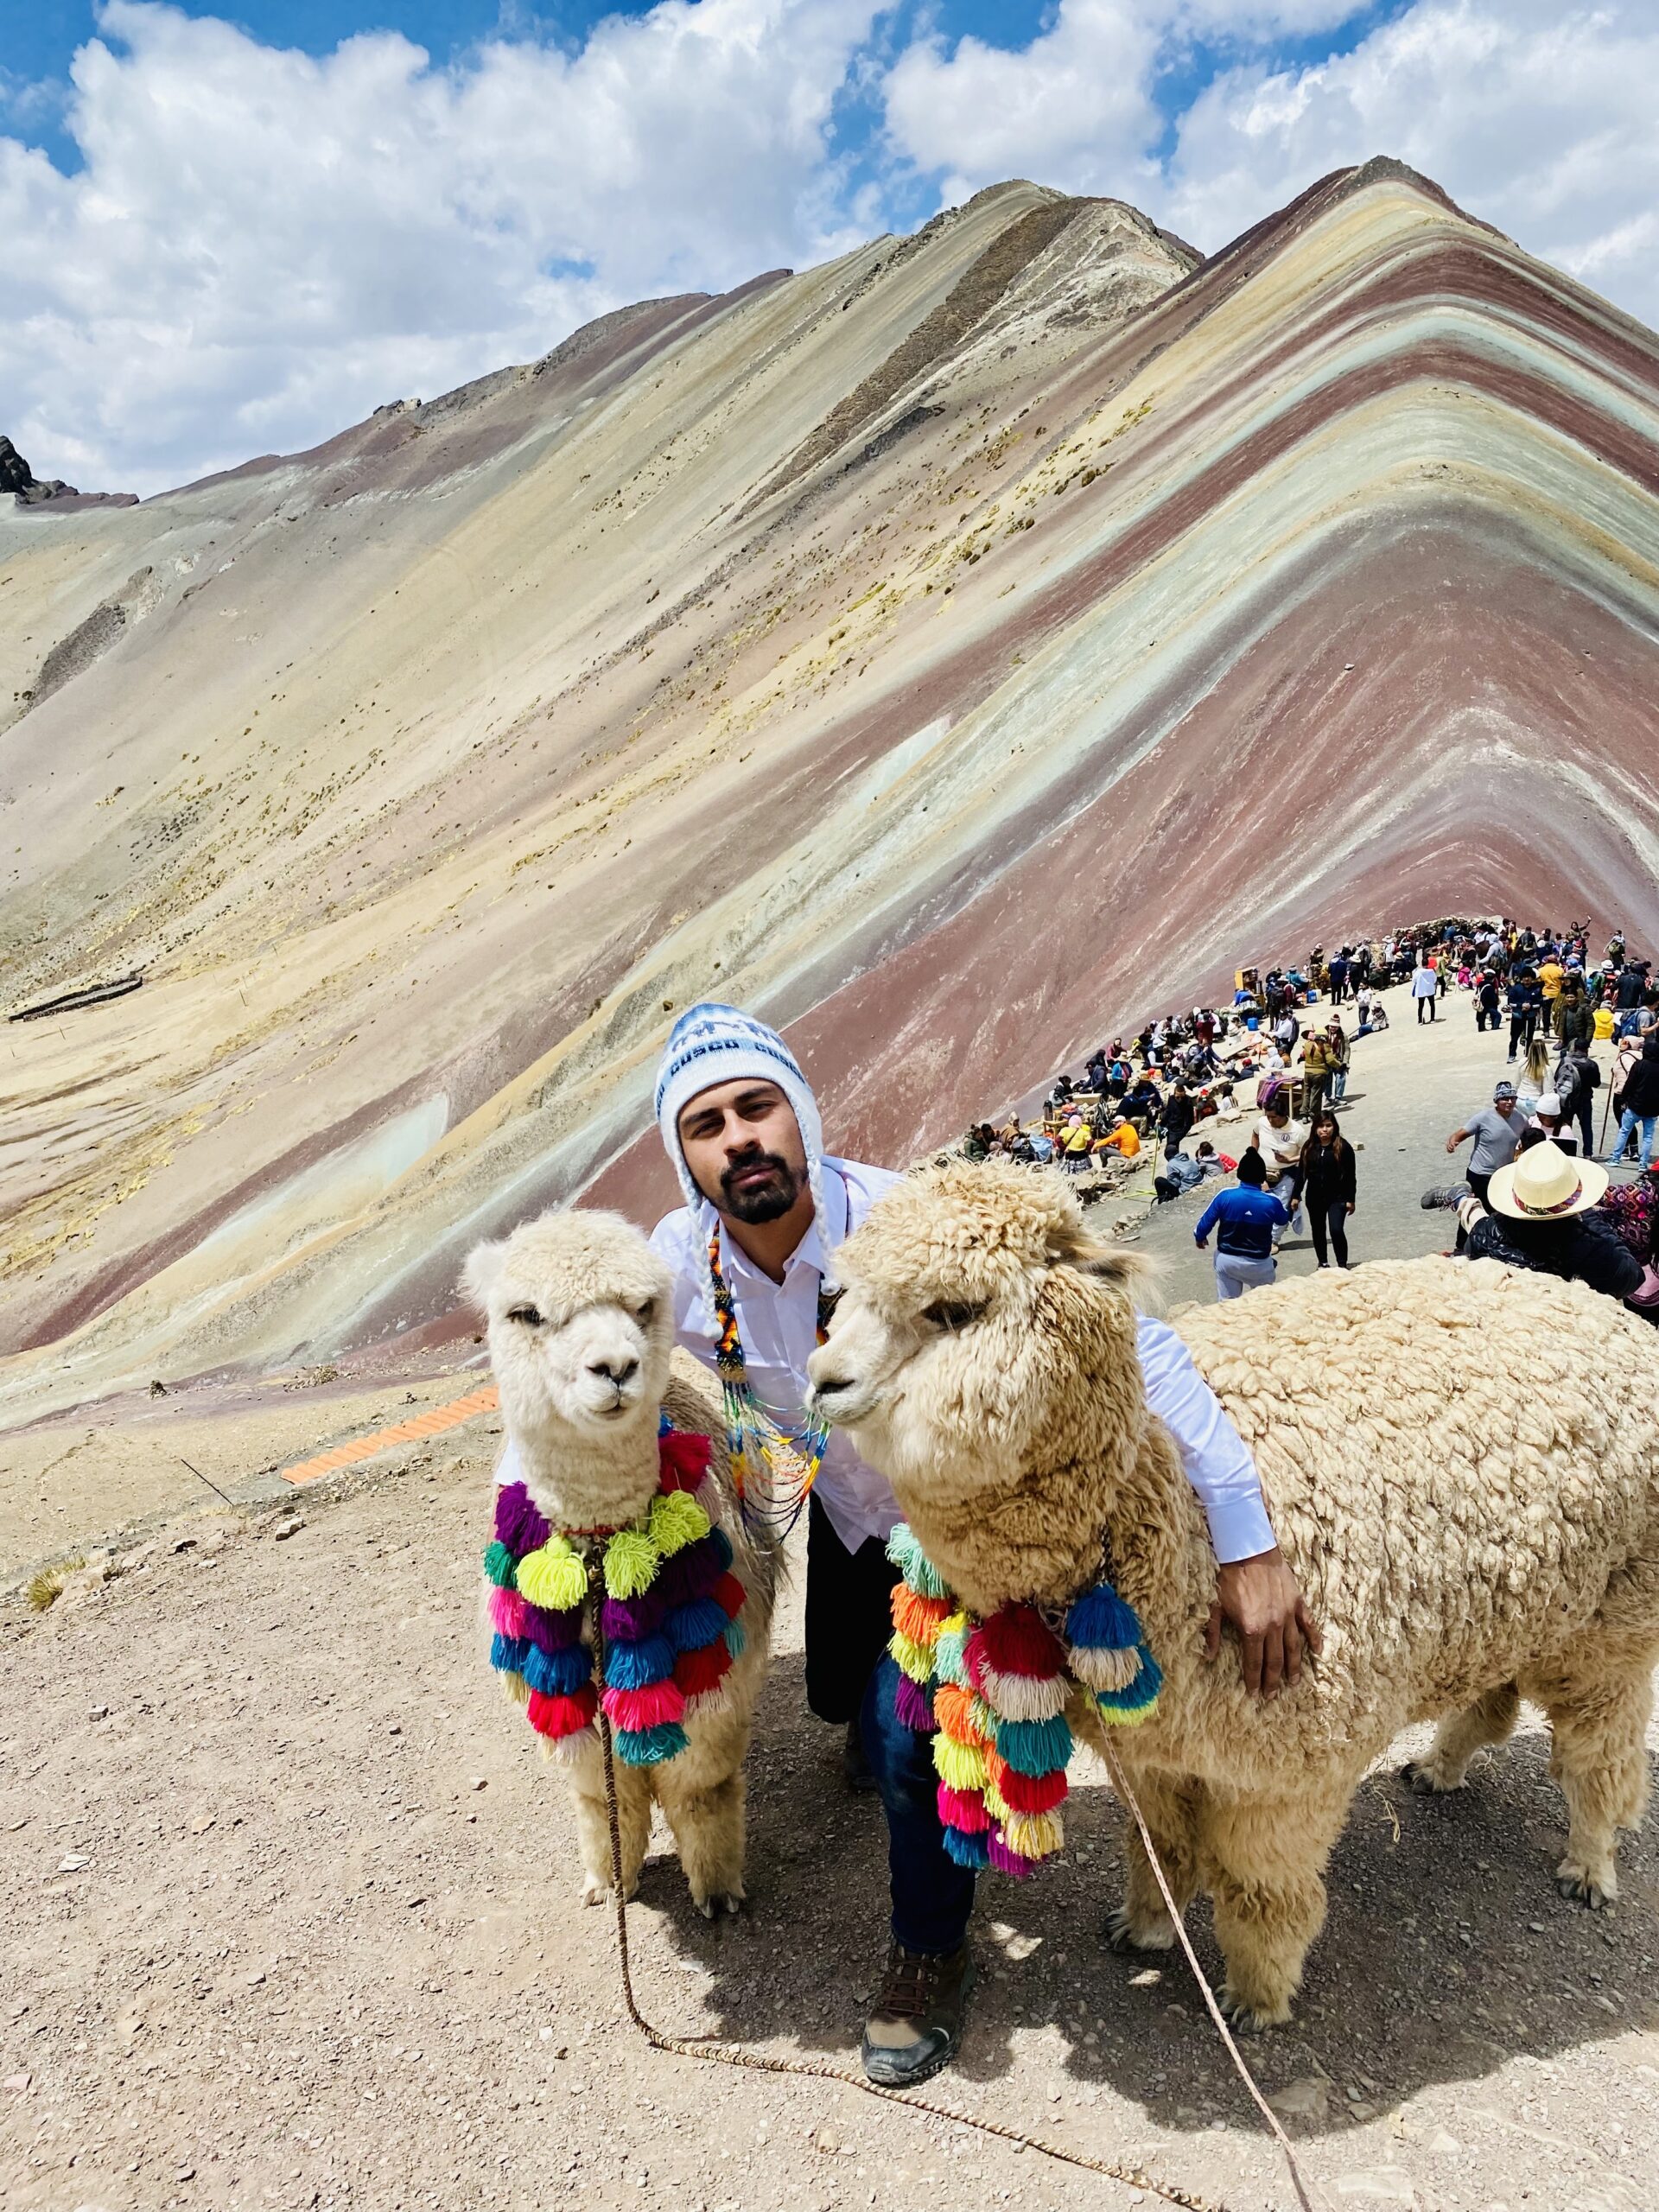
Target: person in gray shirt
{"type": "Point", "coordinates": [1496, 1131]}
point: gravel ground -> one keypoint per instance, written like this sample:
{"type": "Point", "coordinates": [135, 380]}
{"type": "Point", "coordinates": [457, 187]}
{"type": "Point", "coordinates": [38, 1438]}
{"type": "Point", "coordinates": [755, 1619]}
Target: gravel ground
{"type": "Point", "coordinates": [293, 1921]}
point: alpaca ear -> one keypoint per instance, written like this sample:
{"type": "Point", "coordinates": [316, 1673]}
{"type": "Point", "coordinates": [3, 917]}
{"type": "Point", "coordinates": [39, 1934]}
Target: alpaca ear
{"type": "Point", "coordinates": [1109, 1264]}
{"type": "Point", "coordinates": [482, 1272]}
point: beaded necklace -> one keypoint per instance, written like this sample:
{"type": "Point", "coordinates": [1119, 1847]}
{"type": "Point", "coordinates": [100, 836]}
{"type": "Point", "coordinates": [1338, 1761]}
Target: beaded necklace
{"type": "Point", "coordinates": [773, 1469]}
{"type": "Point", "coordinates": [668, 1613]}
{"type": "Point", "coordinates": [992, 1695]}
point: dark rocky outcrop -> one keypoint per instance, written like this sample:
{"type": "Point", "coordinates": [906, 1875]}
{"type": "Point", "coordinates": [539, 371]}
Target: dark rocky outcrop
{"type": "Point", "coordinates": [31, 490]}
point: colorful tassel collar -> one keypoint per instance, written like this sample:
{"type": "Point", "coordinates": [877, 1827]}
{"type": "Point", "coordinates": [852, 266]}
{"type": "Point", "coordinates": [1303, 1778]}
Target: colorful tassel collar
{"type": "Point", "coordinates": [668, 1617]}
{"type": "Point", "coordinates": [992, 1695]}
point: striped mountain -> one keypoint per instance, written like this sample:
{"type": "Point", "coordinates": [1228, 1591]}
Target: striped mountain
{"type": "Point", "coordinates": [951, 652]}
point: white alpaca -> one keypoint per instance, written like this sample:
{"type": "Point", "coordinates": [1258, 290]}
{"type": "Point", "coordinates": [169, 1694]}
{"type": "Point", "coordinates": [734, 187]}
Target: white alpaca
{"type": "Point", "coordinates": [581, 1335]}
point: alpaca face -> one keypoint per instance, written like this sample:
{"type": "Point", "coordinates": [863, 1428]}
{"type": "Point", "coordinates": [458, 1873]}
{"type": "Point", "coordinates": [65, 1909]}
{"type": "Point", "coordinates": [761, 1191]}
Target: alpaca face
{"type": "Point", "coordinates": [581, 1324]}
{"type": "Point", "coordinates": [969, 1293]}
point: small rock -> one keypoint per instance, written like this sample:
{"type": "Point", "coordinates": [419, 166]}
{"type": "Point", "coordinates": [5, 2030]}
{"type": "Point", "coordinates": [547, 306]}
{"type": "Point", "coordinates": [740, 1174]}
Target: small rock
{"type": "Point", "coordinates": [396, 1729]}
{"type": "Point", "coordinates": [184, 1543]}
{"type": "Point", "coordinates": [1443, 2144]}
{"type": "Point", "coordinates": [100, 1712]}
{"type": "Point", "coordinates": [1377, 2185]}
{"type": "Point", "coordinates": [17, 2083]}
{"type": "Point", "coordinates": [202, 1826]}
{"type": "Point", "coordinates": [478, 1782]}
{"type": "Point", "coordinates": [1306, 2098]}
{"type": "Point", "coordinates": [1146, 1978]}
{"type": "Point", "coordinates": [290, 1527]}
{"type": "Point", "coordinates": [1537, 1927]}
{"type": "Point", "coordinates": [254, 1980]}
{"type": "Point", "coordinates": [73, 1861]}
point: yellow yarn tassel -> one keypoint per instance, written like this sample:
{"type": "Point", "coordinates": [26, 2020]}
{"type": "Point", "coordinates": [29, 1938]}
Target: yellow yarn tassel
{"type": "Point", "coordinates": [677, 1520]}
{"type": "Point", "coordinates": [553, 1577]}
{"type": "Point", "coordinates": [631, 1563]}
{"type": "Point", "coordinates": [958, 1765]}
{"type": "Point", "coordinates": [995, 1803]}
{"type": "Point", "coordinates": [1034, 1835]}
{"type": "Point", "coordinates": [912, 1658]}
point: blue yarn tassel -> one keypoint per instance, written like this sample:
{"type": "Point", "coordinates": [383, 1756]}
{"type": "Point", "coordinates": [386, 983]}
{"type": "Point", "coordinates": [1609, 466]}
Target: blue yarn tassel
{"type": "Point", "coordinates": [973, 1850]}
{"type": "Point", "coordinates": [1100, 1621]}
{"type": "Point", "coordinates": [1141, 1692]}
{"type": "Point", "coordinates": [650, 1746]}
{"type": "Point", "coordinates": [637, 1665]}
{"type": "Point", "coordinates": [558, 1673]}
{"type": "Point", "coordinates": [1034, 1746]}
{"type": "Point", "coordinates": [736, 1637]}
{"type": "Point", "coordinates": [507, 1652]}
{"type": "Point", "coordinates": [688, 1627]}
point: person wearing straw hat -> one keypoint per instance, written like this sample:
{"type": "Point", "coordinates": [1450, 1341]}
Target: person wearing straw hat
{"type": "Point", "coordinates": [753, 1253]}
{"type": "Point", "coordinates": [1539, 1215]}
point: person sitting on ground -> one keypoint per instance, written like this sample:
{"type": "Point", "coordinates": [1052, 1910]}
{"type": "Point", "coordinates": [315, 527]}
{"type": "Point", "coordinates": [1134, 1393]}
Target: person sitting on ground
{"type": "Point", "coordinates": [1249, 1221]}
{"type": "Point", "coordinates": [1541, 1215]}
{"type": "Point", "coordinates": [1122, 1138]}
{"type": "Point", "coordinates": [1185, 1171]}
{"type": "Point", "coordinates": [1496, 1131]}
{"type": "Point", "coordinates": [977, 1144]}
{"type": "Point", "coordinates": [1143, 1104]}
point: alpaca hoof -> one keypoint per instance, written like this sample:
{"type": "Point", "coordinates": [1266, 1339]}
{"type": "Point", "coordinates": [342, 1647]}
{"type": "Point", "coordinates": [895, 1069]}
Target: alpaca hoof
{"type": "Point", "coordinates": [1251, 2019]}
{"type": "Point", "coordinates": [1122, 1933]}
{"type": "Point", "coordinates": [1424, 1780]}
{"type": "Point", "coordinates": [1578, 1887]}
{"type": "Point", "coordinates": [722, 1905]}
{"type": "Point", "coordinates": [594, 1892]}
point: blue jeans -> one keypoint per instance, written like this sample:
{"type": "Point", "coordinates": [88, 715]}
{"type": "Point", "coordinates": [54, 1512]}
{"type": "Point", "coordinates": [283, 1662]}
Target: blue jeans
{"type": "Point", "coordinates": [1627, 1121]}
{"type": "Point", "coordinates": [932, 1896]}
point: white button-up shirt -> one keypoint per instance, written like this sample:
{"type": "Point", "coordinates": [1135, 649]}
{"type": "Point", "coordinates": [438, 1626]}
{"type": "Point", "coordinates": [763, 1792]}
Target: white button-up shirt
{"type": "Point", "coordinates": [778, 1324]}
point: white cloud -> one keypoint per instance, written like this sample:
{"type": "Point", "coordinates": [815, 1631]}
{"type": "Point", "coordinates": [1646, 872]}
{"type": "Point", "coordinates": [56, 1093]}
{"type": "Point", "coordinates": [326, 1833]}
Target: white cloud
{"type": "Point", "coordinates": [1538, 120]}
{"type": "Point", "coordinates": [262, 246]}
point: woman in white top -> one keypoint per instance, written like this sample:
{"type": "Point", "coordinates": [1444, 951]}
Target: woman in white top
{"type": "Point", "coordinates": [1534, 1077]}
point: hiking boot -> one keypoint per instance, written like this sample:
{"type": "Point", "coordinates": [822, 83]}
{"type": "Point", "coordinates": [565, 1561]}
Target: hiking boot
{"type": "Point", "coordinates": [915, 2024]}
{"type": "Point", "coordinates": [1447, 1195]}
{"type": "Point", "coordinates": [857, 1770]}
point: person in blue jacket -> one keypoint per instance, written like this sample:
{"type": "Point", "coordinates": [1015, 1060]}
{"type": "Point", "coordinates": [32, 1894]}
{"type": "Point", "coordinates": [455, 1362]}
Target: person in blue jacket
{"type": "Point", "coordinates": [1245, 1219]}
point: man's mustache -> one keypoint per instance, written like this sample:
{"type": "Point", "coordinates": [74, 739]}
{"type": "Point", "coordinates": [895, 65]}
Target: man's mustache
{"type": "Point", "coordinates": [748, 1164]}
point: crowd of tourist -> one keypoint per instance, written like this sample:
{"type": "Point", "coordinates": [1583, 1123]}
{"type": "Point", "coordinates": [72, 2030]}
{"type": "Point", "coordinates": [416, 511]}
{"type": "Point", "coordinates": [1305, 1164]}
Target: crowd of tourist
{"type": "Point", "coordinates": [1169, 1099]}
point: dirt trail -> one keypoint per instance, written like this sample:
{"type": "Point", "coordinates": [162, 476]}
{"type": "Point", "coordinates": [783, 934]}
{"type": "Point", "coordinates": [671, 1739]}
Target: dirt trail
{"type": "Point", "coordinates": [293, 1921]}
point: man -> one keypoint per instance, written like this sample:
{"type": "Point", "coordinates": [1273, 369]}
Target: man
{"type": "Point", "coordinates": [1141, 1104]}
{"type": "Point", "coordinates": [1249, 1221]}
{"type": "Point", "coordinates": [1179, 1115]}
{"type": "Point", "coordinates": [1487, 1009]}
{"type": "Point", "coordinates": [1578, 1078]}
{"type": "Point", "coordinates": [1551, 975]}
{"type": "Point", "coordinates": [1496, 1131]}
{"type": "Point", "coordinates": [1279, 1143]}
{"type": "Point", "coordinates": [1316, 1070]}
{"type": "Point", "coordinates": [1540, 1216]}
{"type": "Point", "coordinates": [1572, 1022]}
{"type": "Point", "coordinates": [1185, 1171]}
{"type": "Point", "coordinates": [1639, 1101]}
{"type": "Point", "coordinates": [1521, 1003]}
{"type": "Point", "coordinates": [1425, 988]}
{"type": "Point", "coordinates": [741, 1128]}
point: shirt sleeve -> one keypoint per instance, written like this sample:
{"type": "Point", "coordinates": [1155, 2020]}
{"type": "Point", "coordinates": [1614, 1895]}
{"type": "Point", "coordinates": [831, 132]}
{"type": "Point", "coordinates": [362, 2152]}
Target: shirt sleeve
{"type": "Point", "coordinates": [1216, 1457]}
{"type": "Point", "coordinates": [1206, 1222]}
{"type": "Point", "coordinates": [507, 1469]}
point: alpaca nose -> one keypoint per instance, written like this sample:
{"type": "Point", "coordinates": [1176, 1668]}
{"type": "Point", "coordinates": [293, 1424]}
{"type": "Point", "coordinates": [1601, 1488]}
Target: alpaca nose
{"type": "Point", "coordinates": [614, 1370]}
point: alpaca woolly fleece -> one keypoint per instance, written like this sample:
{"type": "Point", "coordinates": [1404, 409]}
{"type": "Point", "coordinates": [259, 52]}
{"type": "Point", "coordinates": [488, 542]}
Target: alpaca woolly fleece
{"type": "Point", "coordinates": [1485, 1528]}
{"type": "Point", "coordinates": [579, 1311]}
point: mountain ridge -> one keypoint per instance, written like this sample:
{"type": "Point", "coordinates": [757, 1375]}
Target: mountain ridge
{"type": "Point", "coordinates": [1169, 609]}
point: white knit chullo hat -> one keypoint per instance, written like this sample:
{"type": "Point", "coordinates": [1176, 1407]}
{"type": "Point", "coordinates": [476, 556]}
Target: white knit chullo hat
{"type": "Point", "coordinates": [712, 1043]}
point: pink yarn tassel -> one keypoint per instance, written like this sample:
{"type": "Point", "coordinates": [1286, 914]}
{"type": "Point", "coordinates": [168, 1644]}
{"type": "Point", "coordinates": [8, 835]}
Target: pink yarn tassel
{"type": "Point", "coordinates": [650, 1707]}
{"type": "Point", "coordinates": [963, 1809]}
{"type": "Point", "coordinates": [507, 1612]}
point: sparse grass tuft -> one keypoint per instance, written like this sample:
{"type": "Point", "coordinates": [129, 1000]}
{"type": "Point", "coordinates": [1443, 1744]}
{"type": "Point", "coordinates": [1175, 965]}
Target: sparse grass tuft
{"type": "Point", "coordinates": [45, 1587]}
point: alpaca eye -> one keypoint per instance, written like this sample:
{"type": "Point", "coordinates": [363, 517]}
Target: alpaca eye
{"type": "Point", "coordinates": [945, 1315]}
{"type": "Point", "coordinates": [527, 1314]}
{"type": "Point", "coordinates": [645, 1314]}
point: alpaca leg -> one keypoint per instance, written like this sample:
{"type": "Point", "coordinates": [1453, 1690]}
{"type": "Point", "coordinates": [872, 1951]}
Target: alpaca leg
{"type": "Point", "coordinates": [593, 1831]}
{"type": "Point", "coordinates": [1141, 1922]}
{"type": "Point", "coordinates": [1490, 1720]}
{"type": "Point", "coordinates": [708, 1825]}
{"type": "Point", "coordinates": [1263, 1860]}
{"type": "Point", "coordinates": [1600, 1758]}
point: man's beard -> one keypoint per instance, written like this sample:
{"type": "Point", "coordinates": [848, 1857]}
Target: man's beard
{"type": "Point", "coordinates": [768, 1201]}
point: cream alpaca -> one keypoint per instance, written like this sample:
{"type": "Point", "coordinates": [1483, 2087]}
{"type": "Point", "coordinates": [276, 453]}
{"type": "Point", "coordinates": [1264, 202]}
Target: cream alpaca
{"type": "Point", "coordinates": [581, 1335]}
{"type": "Point", "coordinates": [1486, 1529]}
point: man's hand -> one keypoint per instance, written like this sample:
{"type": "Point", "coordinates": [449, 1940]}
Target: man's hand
{"type": "Point", "coordinates": [1202, 1243]}
{"type": "Point", "coordinates": [1261, 1598]}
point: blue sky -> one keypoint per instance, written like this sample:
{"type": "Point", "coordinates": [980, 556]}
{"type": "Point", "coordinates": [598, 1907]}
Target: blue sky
{"type": "Point", "coordinates": [233, 233]}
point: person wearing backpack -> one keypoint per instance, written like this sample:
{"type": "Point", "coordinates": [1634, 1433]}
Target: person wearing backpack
{"type": "Point", "coordinates": [1639, 1102]}
{"type": "Point", "coordinates": [1577, 1080]}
